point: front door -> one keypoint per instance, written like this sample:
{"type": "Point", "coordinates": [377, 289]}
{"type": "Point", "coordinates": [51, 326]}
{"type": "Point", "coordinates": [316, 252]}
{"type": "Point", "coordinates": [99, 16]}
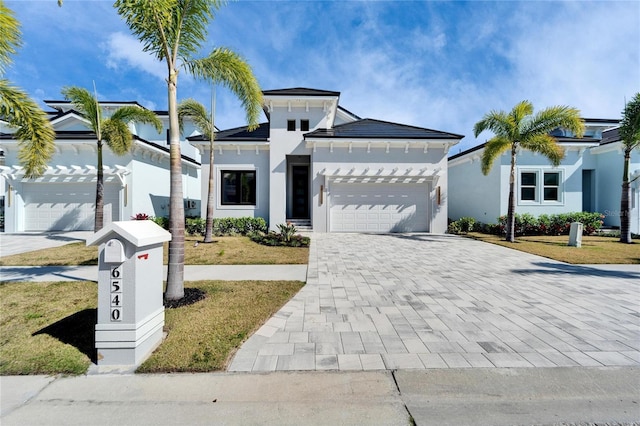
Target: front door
{"type": "Point", "coordinates": [300, 195]}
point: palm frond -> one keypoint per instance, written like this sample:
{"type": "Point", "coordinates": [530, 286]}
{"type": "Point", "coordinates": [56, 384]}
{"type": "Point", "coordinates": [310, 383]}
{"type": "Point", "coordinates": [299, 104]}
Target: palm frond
{"type": "Point", "coordinates": [198, 114]}
{"type": "Point", "coordinates": [494, 148]}
{"type": "Point", "coordinates": [496, 121]}
{"type": "Point", "coordinates": [117, 136]}
{"type": "Point", "coordinates": [86, 104]}
{"type": "Point", "coordinates": [546, 120]}
{"type": "Point", "coordinates": [128, 114]}
{"type": "Point", "coordinates": [519, 114]}
{"type": "Point", "coordinates": [9, 36]}
{"type": "Point", "coordinates": [35, 135]}
{"type": "Point", "coordinates": [546, 145]}
{"type": "Point", "coordinates": [229, 69]}
{"type": "Point", "coordinates": [630, 124]}
{"type": "Point", "coordinates": [169, 28]}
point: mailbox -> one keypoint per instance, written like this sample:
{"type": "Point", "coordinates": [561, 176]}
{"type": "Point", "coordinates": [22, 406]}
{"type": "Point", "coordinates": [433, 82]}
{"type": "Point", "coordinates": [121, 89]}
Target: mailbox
{"type": "Point", "coordinates": [575, 234]}
{"type": "Point", "coordinates": [130, 289]}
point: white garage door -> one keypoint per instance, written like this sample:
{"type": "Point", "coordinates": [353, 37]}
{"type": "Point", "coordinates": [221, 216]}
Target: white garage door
{"type": "Point", "coordinates": [65, 206]}
{"type": "Point", "coordinates": [370, 207]}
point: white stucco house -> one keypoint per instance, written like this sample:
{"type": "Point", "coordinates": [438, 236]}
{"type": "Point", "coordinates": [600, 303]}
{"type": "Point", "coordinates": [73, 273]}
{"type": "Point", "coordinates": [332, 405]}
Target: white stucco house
{"type": "Point", "coordinates": [588, 179]}
{"type": "Point", "coordinates": [322, 167]}
{"type": "Point", "coordinates": [64, 197]}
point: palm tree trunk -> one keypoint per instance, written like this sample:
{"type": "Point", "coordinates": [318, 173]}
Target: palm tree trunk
{"type": "Point", "coordinates": [625, 211]}
{"type": "Point", "coordinates": [208, 236]}
{"type": "Point", "coordinates": [175, 272]}
{"type": "Point", "coordinates": [511, 219]}
{"type": "Point", "coordinates": [99, 212]}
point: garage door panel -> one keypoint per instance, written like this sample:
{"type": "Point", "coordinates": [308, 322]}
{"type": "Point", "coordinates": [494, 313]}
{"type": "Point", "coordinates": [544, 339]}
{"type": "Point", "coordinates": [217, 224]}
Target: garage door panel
{"type": "Point", "coordinates": [65, 207]}
{"type": "Point", "coordinates": [379, 207]}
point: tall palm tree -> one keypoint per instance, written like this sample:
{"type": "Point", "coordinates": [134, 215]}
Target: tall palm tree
{"type": "Point", "coordinates": [34, 131]}
{"type": "Point", "coordinates": [205, 123]}
{"type": "Point", "coordinates": [174, 31]}
{"type": "Point", "coordinates": [630, 135]}
{"type": "Point", "coordinates": [521, 129]}
{"type": "Point", "coordinates": [113, 131]}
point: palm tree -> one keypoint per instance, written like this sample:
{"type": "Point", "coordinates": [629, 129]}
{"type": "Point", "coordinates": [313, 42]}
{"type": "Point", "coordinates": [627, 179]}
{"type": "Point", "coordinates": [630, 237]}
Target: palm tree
{"type": "Point", "coordinates": [521, 129]}
{"type": "Point", "coordinates": [114, 131]}
{"type": "Point", "coordinates": [204, 122]}
{"type": "Point", "coordinates": [174, 31]}
{"type": "Point", "coordinates": [630, 135]}
{"type": "Point", "coordinates": [34, 131]}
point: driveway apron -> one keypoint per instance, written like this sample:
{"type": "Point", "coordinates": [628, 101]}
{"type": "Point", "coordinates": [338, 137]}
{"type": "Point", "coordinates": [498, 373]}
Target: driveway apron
{"type": "Point", "coordinates": [418, 301]}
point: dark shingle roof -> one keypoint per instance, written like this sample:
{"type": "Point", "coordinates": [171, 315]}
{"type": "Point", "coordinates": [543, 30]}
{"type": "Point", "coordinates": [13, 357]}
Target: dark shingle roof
{"type": "Point", "coordinates": [376, 129]}
{"type": "Point", "coordinates": [299, 91]}
{"type": "Point", "coordinates": [610, 136]}
{"type": "Point", "coordinates": [238, 134]}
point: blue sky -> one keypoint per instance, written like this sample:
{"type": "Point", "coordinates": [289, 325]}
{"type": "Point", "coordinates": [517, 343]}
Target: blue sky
{"type": "Point", "coordinates": [440, 65]}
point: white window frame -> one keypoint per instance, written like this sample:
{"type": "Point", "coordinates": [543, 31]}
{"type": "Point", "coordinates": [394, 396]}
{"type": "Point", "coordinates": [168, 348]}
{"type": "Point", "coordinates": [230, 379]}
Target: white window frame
{"type": "Point", "coordinates": [539, 186]}
{"type": "Point", "coordinates": [218, 169]}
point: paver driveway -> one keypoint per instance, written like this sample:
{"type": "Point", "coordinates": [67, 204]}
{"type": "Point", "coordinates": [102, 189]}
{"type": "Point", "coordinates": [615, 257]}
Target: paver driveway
{"type": "Point", "coordinates": [438, 301]}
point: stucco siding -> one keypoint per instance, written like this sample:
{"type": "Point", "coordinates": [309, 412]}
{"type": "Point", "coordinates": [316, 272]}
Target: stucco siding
{"type": "Point", "coordinates": [230, 160]}
{"type": "Point", "coordinates": [473, 194]}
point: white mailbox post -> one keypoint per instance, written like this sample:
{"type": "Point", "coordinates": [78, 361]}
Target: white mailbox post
{"type": "Point", "coordinates": [130, 276]}
{"type": "Point", "coordinates": [575, 235]}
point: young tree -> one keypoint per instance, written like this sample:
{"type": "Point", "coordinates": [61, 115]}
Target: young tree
{"type": "Point", "coordinates": [205, 123]}
{"type": "Point", "coordinates": [113, 131]}
{"type": "Point", "coordinates": [174, 31]}
{"type": "Point", "coordinates": [521, 129]}
{"type": "Point", "coordinates": [630, 135]}
{"type": "Point", "coordinates": [34, 131]}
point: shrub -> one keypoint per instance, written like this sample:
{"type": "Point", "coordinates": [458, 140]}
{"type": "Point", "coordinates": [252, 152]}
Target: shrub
{"type": "Point", "coordinates": [140, 216]}
{"type": "Point", "coordinates": [161, 221]}
{"type": "Point", "coordinates": [226, 225]}
{"type": "Point", "coordinates": [286, 237]}
{"type": "Point", "coordinates": [287, 231]}
{"type": "Point", "coordinates": [195, 225]}
{"type": "Point", "coordinates": [555, 224]}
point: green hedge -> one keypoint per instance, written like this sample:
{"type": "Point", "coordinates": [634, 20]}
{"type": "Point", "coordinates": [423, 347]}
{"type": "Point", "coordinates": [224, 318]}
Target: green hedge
{"type": "Point", "coordinates": [221, 226]}
{"type": "Point", "coordinates": [527, 224]}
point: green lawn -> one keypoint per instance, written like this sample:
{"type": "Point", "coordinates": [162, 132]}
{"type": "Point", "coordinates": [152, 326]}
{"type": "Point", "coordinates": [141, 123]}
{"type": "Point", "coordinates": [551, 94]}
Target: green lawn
{"type": "Point", "coordinates": [48, 328]}
{"type": "Point", "coordinates": [594, 250]}
{"type": "Point", "coordinates": [223, 251]}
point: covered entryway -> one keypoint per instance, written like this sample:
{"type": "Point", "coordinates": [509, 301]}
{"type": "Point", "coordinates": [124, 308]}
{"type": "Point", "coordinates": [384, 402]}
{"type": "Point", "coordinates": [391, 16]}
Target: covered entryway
{"type": "Point", "coordinates": [379, 207]}
{"type": "Point", "coordinates": [65, 206]}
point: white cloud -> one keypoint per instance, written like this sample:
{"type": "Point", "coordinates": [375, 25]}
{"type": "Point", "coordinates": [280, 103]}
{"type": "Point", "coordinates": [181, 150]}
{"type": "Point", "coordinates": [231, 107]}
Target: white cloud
{"type": "Point", "coordinates": [125, 51]}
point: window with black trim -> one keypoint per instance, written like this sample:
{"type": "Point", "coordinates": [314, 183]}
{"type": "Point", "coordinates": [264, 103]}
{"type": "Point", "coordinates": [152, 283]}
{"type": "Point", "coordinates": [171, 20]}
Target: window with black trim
{"type": "Point", "coordinates": [304, 125]}
{"type": "Point", "coordinates": [238, 187]}
{"type": "Point", "coordinates": [291, 125]}
{"type": "Point", "coordinates": [528, 181]}
{"type": "Point", "coordinates": [551, 187]}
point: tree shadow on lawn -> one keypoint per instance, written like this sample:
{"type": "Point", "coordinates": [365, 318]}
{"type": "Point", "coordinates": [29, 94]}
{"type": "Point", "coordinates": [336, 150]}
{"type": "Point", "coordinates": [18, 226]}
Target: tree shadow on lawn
{"type": "Point", "coordinates": [550, 268]}
{"type": "Point", "coordinates": [77, 330]}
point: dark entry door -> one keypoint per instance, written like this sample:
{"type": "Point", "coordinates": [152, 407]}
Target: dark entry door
{"type": "Point", "coordinates": [300, 185]}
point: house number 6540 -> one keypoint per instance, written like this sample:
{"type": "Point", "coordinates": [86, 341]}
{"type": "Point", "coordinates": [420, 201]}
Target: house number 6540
{"type": "Point", "coordinates": [116, 294]}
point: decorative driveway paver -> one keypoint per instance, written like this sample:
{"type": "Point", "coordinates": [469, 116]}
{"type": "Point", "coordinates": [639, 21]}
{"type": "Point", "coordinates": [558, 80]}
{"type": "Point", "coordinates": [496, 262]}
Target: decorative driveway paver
{"type": "Point", "coordinates": [437, 301]}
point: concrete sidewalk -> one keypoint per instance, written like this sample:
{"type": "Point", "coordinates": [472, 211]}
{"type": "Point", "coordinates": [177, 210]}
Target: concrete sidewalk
{"type": "Point", "coordinates": [191, 273]}
{"type": "Point", "coordinates": [429, 397]}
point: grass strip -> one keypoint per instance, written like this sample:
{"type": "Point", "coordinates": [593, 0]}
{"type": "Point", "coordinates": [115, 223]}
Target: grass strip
{"type": "Point", "coordinates": [223, 251]}
{"type": "Point", "coordinates": [594, 250]}
{"type": "Point", "coordinates": [49, 327]}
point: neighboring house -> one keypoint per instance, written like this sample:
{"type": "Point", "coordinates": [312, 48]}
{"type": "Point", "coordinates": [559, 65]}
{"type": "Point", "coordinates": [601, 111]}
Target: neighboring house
{"type": "Point", "coordinates": [322, 167]}
{"type": "Point", "coordinates": [588, 179]}
{"type": "Point", "coordinates": [64, 197]}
